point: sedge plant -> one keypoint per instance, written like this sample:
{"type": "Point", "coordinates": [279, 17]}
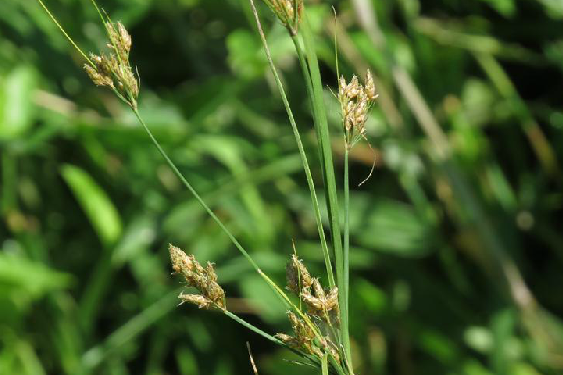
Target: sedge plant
{"type": "Point", "coordinates": [319, 319]}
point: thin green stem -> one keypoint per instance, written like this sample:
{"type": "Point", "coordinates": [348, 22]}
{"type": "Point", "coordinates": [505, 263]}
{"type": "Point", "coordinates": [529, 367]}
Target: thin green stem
{"type": "Point", "coordinates": [324, 364]}
{"type": "Point", "coordinates": [178, 174]}
{"type": "Point", "coordinates": [195, 194]}
{"type": "Point", "coordinates": [346, 249]}
{"type": "Point", "coordinates": [252, 327]}
{"type": "Point", "coordinates": [337, 366]}
{"type": "Point", "coordinates": [257, 330]}
{"type": "Point", "coordinates": [65, 33]}
{"type": "Point", "coordinates": [307, 77]}
{"type": "Point", "coordinates": [302, 153]}
{"type": "Point", "coordinates": [285, 299]}
{"type": "Point", "coordinates": [321, 122]}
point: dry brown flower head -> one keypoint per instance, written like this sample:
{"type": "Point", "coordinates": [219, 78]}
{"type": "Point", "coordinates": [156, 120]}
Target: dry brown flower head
{"type": "Point", "coordinates": [320, 302]}
{"type": "Point", "coordinates": [114, 70]}
{"type": "Point", "coordinates": [297, 275]}
{"type": "Point", "coordinates": [304, 336]}
{"type": "Point", "coordinates": [355, 102]}
{"type": "Point", "coordinates": [203, 279]}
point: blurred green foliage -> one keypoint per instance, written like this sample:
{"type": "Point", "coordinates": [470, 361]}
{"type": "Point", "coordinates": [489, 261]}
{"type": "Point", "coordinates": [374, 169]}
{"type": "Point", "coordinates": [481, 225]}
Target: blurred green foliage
{"type": "Point", "coordinates": [456, 262]}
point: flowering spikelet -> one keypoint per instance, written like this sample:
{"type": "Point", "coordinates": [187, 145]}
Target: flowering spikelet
{"type": "Point", "coordinates": [114, 70]}
{"type": "Point", "coordinates": [203, 279]}
{"type": "Point", "coordinates": [288, 12]}
{"type": "Point", "coordinates": [297, 275]}
{"type": "Point", "coordinates": [321, 303]}
{"type": "Point", "coordinates": [304, 336]}
{"type": "Point", "coordinates": [355, 102]}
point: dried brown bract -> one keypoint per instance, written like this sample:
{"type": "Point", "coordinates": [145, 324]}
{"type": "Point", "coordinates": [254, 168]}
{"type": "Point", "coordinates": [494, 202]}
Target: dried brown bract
{"type": "Point", "coordinates": [114, 70]}
{"type": "Point", "coordinates": [203, 279]}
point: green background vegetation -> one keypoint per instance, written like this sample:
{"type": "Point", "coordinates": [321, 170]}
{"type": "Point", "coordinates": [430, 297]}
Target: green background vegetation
{"type": "Point", "coordinates": [456, 263]}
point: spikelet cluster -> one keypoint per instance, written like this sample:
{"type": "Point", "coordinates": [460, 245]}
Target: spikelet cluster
{"type": "Point", "coordinates": [288, 12]}
{"type": "Point", "coordinates": [355, 102]}
{"type": "Point", "coordinates": [304, 336]}
{"type": "Point", "coordinates": [203, 279]}
{"type": "Point", "coordinates": [113, 70]}
{"type": "Point", "coordinates": [321, 304]}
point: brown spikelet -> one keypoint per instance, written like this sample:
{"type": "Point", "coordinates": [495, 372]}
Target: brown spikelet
{"type": "Point", "coordinates": [114, 70]}
{"type": "Point", "coordinates": [297, 275]}
{"type": "Point", "coordinates": [355, 102]}
{"type": "Point", "coordinates": [203, 279]}
{"type": "Point", "coordinates": [196, 299]}
{"type": "Point", "coordinates": [286, 13]}
{"type": "Point", "coordinates": [370, 87]}
{"type": "Point", "coordinates": [319, 303]}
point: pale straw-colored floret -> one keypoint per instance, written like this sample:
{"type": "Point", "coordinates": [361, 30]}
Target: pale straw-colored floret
{"type": "Point", "coordinates": [319, 302]}
{"type": "Point", "coordinates": [203, 279]}
{"type": "Point", "coordinates": [355, 102]}
{"type": "Point", "coordinates": [114, 70]}
{"type": "Point", "coordinates": [285, 11]}
{"type": "Point", "coordinates": [297, 275]}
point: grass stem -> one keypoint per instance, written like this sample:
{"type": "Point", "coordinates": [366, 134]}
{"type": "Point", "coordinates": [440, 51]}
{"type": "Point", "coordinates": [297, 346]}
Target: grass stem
{"type": "Point", "coordinates": [178, 174]}
{"type": "Point", "coordinates": [302, 153]}
{"type": "Point", "coordinates": [321, 123]}
{"type": "Point", "coordinates": [346, 246]}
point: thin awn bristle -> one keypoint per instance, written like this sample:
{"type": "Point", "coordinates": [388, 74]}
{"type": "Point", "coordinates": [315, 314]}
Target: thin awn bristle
{"type": "Point", "coordinates": [254, 369]}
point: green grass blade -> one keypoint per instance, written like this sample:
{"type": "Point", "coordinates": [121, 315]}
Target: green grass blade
{"type": "Point", "coordinates": [346, 249]}
{"type": "Point", "coordinates": [130, 330]}
{"type": "Point", "coordinates": [304, 160]}
{"type": "Point", "coordinates": [319, 112]}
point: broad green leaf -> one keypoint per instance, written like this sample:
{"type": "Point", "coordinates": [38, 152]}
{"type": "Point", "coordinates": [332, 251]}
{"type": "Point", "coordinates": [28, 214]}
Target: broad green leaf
{"type": "Point", "coordinates": [504, 7]}
{"type": "Point", "coordinates": [553, 7]}
{"type": "Point", "coordinates": [16, 108]}
{"type": "Point", "coordinates": [393, 227]}
{"type": "Point", "coordinates": [186, 361]}
{"type": "Point", "coordinates": [94, 201]}
{"type": "Point", "coordinates": [24, 277]}
{"type": "Point", "coordinates": [244, 57]}
{"type": "Point", "coordinates": [139, 234]}
{"type": "Point", "coordinates": [373, 299]}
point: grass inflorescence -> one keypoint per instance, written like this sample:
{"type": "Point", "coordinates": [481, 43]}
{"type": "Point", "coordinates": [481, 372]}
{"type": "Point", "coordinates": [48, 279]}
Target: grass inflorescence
{"type": "Point", "coordinates": [320, 319]}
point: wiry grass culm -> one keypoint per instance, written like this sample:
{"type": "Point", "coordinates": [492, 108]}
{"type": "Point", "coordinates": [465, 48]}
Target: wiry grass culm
{"type": "Point", "coordinates": [320, 319]}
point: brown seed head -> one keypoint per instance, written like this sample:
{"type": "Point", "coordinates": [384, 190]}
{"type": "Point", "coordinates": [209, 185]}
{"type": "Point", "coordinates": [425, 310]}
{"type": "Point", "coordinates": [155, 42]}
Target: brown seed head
{"type": "Point", "coordinates": [113, 70]}
{"type": "Point", "coordinates": [370, 87]}
{"type": "Point", "coordinates": [124, 37]}
{"type": "Point", "coordinates": [196, 299]}
{"type": "Point", "coordinates": [181, 262]}
{"type": "Point", "coordinates": [287, 339]}
{"type": "Point", "coordinates": [285, 12]}
{"type": "Point", "coordinates": [297, 275]}
{"type": "Point", "coordinates": [203, 279]}
{"type": "Point", "coordinates": [97, 78]}
{"type": "Point", "coordinates": [355, 101]}
{"type": "Point", "coordinates": [319, 303]}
